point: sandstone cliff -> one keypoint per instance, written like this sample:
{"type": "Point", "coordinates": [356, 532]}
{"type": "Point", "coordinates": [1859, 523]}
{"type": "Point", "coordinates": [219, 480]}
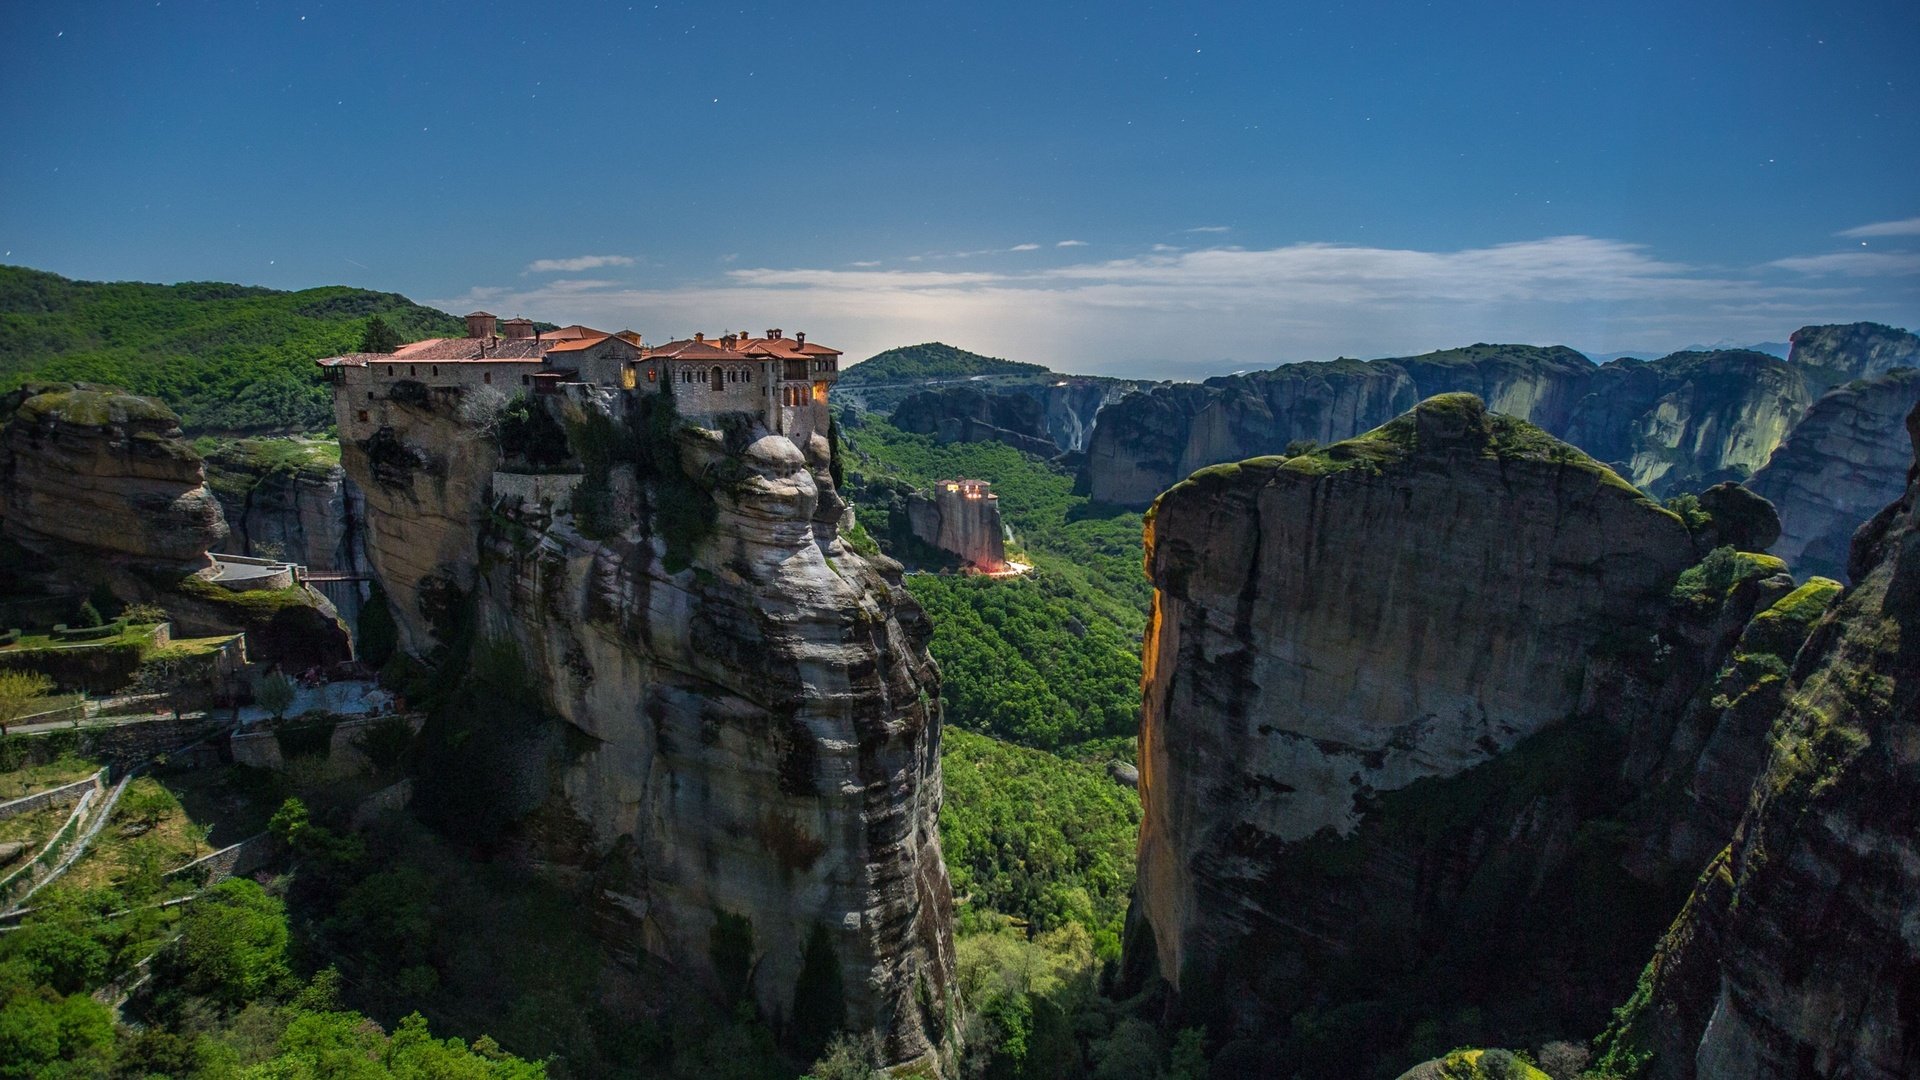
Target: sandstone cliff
{"type": "Point", "coordinates": [1674, 424]}
{"type": "Point", "coordinates": [1796, 955]}
{"type": "Point", "coordinates": [1835, 354]}
{"type": "Point", "coordinates": [1841, 464]}
{"type": "Point", "coordinates": [745, 752]}
{"type": "Point", "coordinates": [289, 499]}
{"type": "Point", "coordinates": [1418, 726]}
{"type": "Point", "coordinates": [963, 414]}
{"type": "Point", "coordinates": [91, 472]}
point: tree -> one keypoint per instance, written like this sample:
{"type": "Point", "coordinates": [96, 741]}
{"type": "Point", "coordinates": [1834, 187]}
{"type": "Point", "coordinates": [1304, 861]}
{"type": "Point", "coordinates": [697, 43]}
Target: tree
{"type": "Point", "coordinates": [88, 616]}
{"type": "Point", "coordinates": [274, 693]}
{"type": "Point", "coordinates": [19, 692]}
{"type": "Point", "coordinates": [380, 337]}
{"type": "Point", "coordinates": [232, 946]}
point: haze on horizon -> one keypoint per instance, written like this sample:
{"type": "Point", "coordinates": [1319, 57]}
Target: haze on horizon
{"type": "Point", "coordinates": [1127, 189]}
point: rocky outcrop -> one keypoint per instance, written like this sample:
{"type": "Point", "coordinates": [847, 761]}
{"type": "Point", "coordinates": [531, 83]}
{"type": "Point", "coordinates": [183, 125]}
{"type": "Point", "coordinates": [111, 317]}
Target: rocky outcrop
{"type": "Point", "coordinates": [1418, 724]}
{"type": "Point", "coordinates": [1072, 404]}
{"type": "Point", "coordinates": [744, 751]}
{"type": "Point", "coordinates": [287, 499]}
{"type": "Point", "coordinates": [1796, 955]}
{"type": "Point", "coordinates": [1674, 424]}
{"type": "Point", "coordinates": [1148, 441]}
{"type": "Point", "coordinates": [1838, 467]}
{"type": "Point", "coordinates": [90, 472]}
{"type": "Point", "coordinates": [962, 518]}
{"type": "Point", "coordinates": [963, 414]}
{"type": "Point", "coordinates": [1830, 355]}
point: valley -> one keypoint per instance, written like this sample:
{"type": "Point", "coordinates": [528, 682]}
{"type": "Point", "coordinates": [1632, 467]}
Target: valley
{"type": "Point", "coordinates": [1432, 695]}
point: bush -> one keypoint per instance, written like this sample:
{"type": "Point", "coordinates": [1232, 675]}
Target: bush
{"type": "Point", "coordinates": [88, 616]}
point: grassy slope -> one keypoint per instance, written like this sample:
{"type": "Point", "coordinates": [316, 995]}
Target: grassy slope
{"type": "Point", "coordinates": [225, 357]}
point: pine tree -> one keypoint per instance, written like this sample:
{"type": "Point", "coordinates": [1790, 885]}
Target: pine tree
{"type": "Point", "coordinates": [380, 337]}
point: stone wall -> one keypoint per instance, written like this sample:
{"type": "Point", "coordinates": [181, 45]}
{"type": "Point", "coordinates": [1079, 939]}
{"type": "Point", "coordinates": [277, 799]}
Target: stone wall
{"type": "Point", "coordinates": [59, 796]}
{"type": "Point", "coordinates": [260, 747]}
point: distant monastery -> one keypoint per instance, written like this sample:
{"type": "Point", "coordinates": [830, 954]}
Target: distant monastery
{"type": "Point", "coordinates": [782, 380]}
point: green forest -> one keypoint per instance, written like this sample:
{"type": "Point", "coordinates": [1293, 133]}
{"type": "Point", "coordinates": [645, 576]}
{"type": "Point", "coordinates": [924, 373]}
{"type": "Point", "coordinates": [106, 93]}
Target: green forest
{"type": "Point", "coordinates": [1050, 660]}
{"type": "Point", "coordinates": [226, 358]}
{"type": "Point", "coordinates": [933, 360]}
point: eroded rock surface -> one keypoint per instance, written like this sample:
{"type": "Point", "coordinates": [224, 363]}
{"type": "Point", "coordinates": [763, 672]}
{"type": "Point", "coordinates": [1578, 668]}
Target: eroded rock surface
{"type": "Point", "coordinates": [752, 747]}
{"type": "Point", "coordinates": [1405, 699]}
{"type": "Point", "coordinates": [1838, 467]}
{"type": "Point", "coordinates": [1674, 424]}
{"type": "Point", "coordinates": [963, 414]}
{"type": "Point", "coordinates": [90, 471]}
{"type": "Point", "coordinates": [1796, 955]}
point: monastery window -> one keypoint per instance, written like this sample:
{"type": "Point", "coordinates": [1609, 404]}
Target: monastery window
{"type": "Point", "coordinates": [389, 369]}
{"type": "Point", "coordinates": [435, 370]}
{"type": "Point", "coordinates": [369, 395]}
{"type": "Point", "coordinates": [412, 371]}
{"type": "Point", "coordinates": [486, 377]}
{"type": "Point", "coordinates": [362, 415]}
{"type": "Point", "coordinates": [526, 380]}
{"type": "Point", "coordinates": [652, 375]}
{"type": "Point", "coordinates": [626, 378]}
{"type": "Point", "coordinates": [718, 380]}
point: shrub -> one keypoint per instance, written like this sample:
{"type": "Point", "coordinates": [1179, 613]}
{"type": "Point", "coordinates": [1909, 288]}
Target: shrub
{"type": "Point", "coordinates": [232, 946]}
{"type": "Point", "coordinates": [274, 693]}
{"type": "Point", "coordinates": [88, 616]}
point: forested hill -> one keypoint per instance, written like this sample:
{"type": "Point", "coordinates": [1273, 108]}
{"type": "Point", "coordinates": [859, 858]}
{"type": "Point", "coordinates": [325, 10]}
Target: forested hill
{"type": "Point", "coordinates": [225, 357]}
{"type": "Point", "coordinates": [933, 360]}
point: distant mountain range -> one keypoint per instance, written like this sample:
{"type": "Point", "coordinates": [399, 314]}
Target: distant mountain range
{"type": "Point", "coordinates": [1772, 348]}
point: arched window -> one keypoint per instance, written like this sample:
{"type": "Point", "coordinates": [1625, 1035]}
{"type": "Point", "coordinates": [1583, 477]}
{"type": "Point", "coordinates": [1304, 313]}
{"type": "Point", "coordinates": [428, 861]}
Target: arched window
{"type": "Point", "coordinates": [718, 380]}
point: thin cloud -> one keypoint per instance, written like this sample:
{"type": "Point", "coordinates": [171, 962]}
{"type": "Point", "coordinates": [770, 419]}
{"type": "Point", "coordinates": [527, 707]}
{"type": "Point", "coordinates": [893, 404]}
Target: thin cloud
{"type": "Point", "coordinates": [1024, 247]}
{"type": "Point", "coordinates": [1209, 228]}
{"type": "Point", "coordinates": [1139, 316]}
{"type": "Point", "coordinates": [864, 263]}
{"type": "Point", "coordinates": [1908, 227]}
{"type": "Point", "coordinates": [1854, 263]}
{"type": "Point", "coordinates": [576, 264]}
{"type": "Point", "coordinates": [1071, 243]}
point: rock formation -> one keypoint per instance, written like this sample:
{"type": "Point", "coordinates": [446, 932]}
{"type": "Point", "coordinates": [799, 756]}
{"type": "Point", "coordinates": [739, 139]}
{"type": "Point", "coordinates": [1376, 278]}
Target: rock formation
{"type": "Point", "coordinates": [286, 500]}
{"type": "Point", "coordinates": [746, 743]}
{"type": "Point", "coordinates": [1670, 425]}
{"type": "Point", "coordinates": [1796, 955]}
{"type": "Point", "coordinates": [1830, 355]}
{"type": "Point", "coordinates": [1841, 464]}
{"type": "Point", "coordinates": [1405, 699]}
{"type": "Point", "coordinates": [962, 518]}
{"type": "Point", "coordinates": [963, 414]}
{"type": "Point", "coordinates": [90, 471]}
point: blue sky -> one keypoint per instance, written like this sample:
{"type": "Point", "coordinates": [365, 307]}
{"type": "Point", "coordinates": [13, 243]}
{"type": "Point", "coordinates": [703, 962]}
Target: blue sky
{"type": "Point", "coordinates": [1133, 188]}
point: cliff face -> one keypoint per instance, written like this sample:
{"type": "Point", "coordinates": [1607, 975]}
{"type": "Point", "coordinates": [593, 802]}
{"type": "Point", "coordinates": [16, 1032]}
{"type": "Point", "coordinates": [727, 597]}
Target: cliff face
{"type": "Point", "coordinates": [1406, 699]}
{"type": "Point", "coordinates": [1835, 354]}
{"type": "Point", "coordinates": [91, 471]}
{"type": "Point", "coordinates": [1796, 955]}
{"type": "Point", "coordinates": [1681, 422]}
{"type": "Point", "coordinates": [751, 739]}
{"type": "Point", "coordinates": [961, 518]}
{"type": "Point", "coordinates": [288, 500]}
{"type": "Point", "coordinates": [1839, 466]}
{"type": "Point", "coordinates": [963, 414]}
{"type": "Point", "coordinates": [1148, 441]}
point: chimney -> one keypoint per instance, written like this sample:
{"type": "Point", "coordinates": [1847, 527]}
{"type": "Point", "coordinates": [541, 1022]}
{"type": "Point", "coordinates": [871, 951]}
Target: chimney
{"type": "Point", "coordinates": [801, 337]}
{"type": "Point", "coordinates": [517, 328]}
{"type": "Point", "coordinates": [773, 335]}
{"type": "Point", "coordinates": [698, 336]}
{"type": "Point", "coordinates": [480, 325]}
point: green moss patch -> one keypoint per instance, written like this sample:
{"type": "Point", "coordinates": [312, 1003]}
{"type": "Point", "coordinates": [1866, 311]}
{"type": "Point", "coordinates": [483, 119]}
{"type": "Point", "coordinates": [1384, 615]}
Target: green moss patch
{"type": "Point", "coordinates": [86, 404]}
